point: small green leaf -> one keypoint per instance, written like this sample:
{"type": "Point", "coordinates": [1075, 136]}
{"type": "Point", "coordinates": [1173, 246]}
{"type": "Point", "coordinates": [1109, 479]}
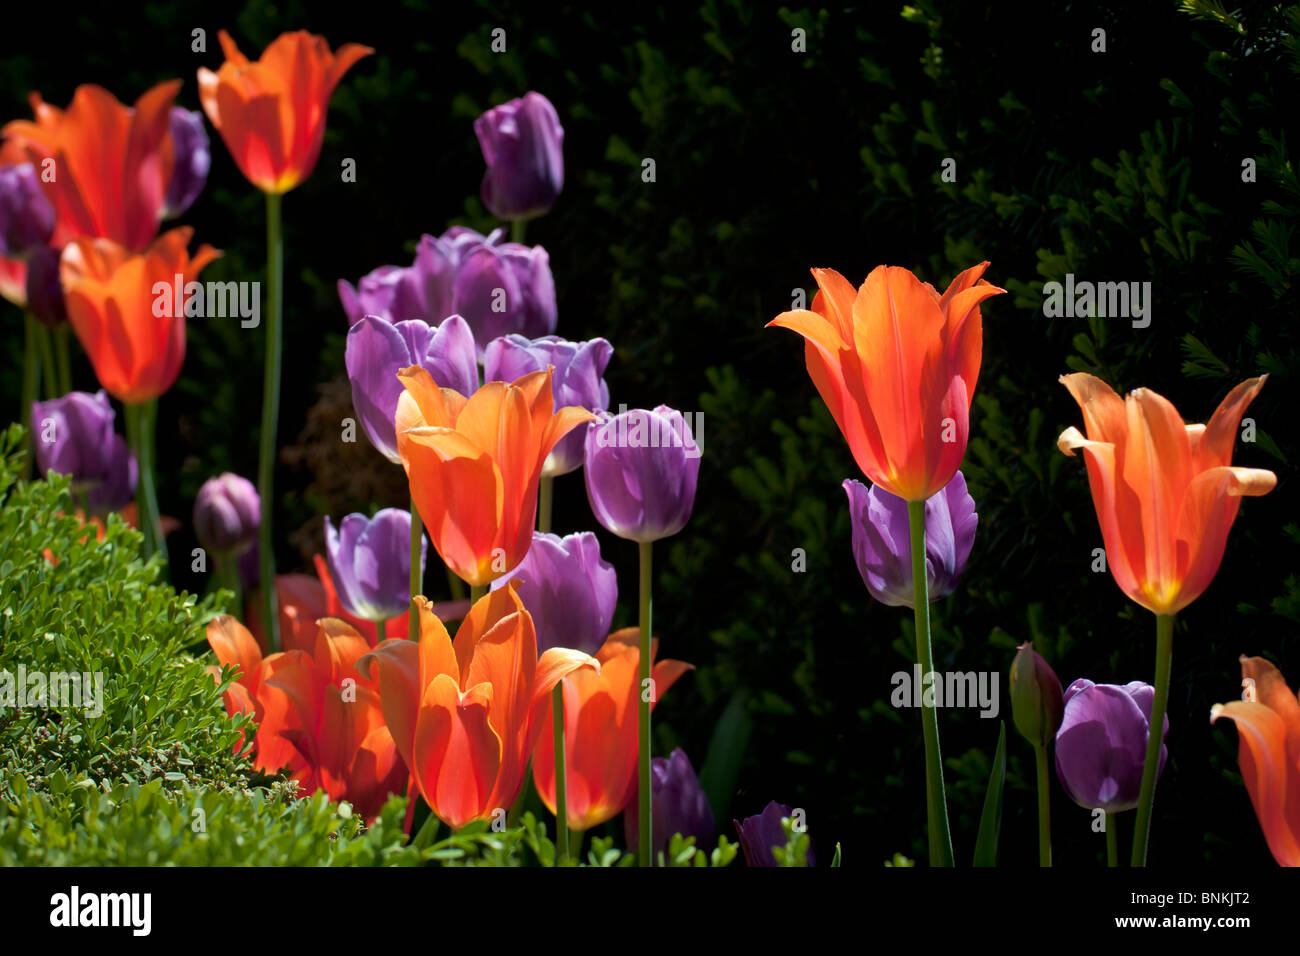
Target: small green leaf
{"type": "Point", "coordinates": [986, 844]}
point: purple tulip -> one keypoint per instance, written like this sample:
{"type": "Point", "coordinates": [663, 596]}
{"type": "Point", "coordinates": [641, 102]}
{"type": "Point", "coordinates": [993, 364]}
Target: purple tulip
{"type": "Point", "coordinates": [377, 350]}
{"type": "Point", "coordinates": [579, 367]}
{"type": "Point", "coordinates": [227, 514]}
{"type": "Point", "coordinates": [568, 588]}
{"type": "Point", "coordinates": [370, 562]}
{"type": "Point", "coordinates": [498, 287]}
{"type": "Point", "coordinates": [193, 158]}
{"type": "Point", "coordinates": [26, 216]}
{"type": "Point", "coordinates": [74, 436]}
{"type": "Point", "coordinates": [763, 831]}
{"type": "Point", "coordinates": [523, 146]}
{"type": "Point", "coordinates": [677, 805]}
{"type": "Point", "coordinates": [502, 288]}
{"type": "Point", "coordinates": [1102, 744]}
{"type": "Point", "coordinates": [641, 469]}
{"type": "Point", "coordinates": [44, 290]}
{"type": "Point", "coordinates": [882, 544]}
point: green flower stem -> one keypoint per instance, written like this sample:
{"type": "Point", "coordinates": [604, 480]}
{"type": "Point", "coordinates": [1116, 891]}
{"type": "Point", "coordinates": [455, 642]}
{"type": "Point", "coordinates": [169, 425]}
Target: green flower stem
{"type": "Point", "coordinates": [517, 227]}
{"type": "Point", "coordinates": [381, 630]}
{"type": "Point", "coordinates": [1044, 808]}
{"type": "Point", "coordinates": [417, 584]}
{"type": "Point", "coordinates": [936, 803]}
{"type": "Point", "coordinates": [64, 358]}
{"type": "Point", "coordinates": [643, 762]}
{"type": "Point", "coordinates": [270, 416]}
{"type": "Point", "coordinates": [1155, 736]}
{"type": "Point", "coordinates": [227, 567]}
{"type": "Point", "coordinates": [456, 585]}
{"type": "Point", "coordinates": [476, 591]}
{"type": "Point", "coordinates": [138, 427]}
{"type": "Point", "coordinates": [50, 376]}
{"type": "Point", "coordinates": [148, 466]}
{"type": "Point", "coordinates": [545, 492]}
{"type": "Point", "coordinates": [31, 382]}
{"type": "Point", "coordinates": [1112, 841]}
{"type": "Point", "coordinates": [561, 779]}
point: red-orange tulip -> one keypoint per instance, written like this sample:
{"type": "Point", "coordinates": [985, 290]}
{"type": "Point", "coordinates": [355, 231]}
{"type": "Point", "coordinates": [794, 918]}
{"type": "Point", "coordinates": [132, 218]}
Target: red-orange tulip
{"type": "Point", "coordinates": [271, 113]}
{"type": "Point", "coordinates": [896, 364]}
{"type": "Point", "coordinates": [466, 715]}
{"type": "Point", "coordinates": [113, 308]}
{"type": "Point", "coordinates": [1268, 730]}
{"type": "Point", "coordinates": [600, 731]}
{"type": "Point", "coordinates": [252, 694]}
{"type": "Point", "coordinates": [340, 732]}
{"type": "Point", "coordinates": [112, 163]}
{"type": "Point", "coordinates": [13, 281]}
{"type": "Point", "coordinates": [474, 465]}
{"type": "Point", "coordinates": [1166, 493]}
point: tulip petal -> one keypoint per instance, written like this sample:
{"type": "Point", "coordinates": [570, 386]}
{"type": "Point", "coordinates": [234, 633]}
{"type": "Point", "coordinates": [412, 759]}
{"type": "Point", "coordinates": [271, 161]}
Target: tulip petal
{"type": "Point", "coordinates": [457, 753]}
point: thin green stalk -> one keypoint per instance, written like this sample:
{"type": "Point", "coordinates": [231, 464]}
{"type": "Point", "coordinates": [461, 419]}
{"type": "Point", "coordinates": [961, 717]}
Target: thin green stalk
{"type": "Point", "coordinates": [456, 585]}
{"type": "Point", "coordinates": [135, 441]}
{"type": "Point", "coordinates": [1044, 808]}
{"type": "Point", "coordinates": [149, 438]}
{"type": "Point", "coordinates": [936, 802]}
{"type": "Point", "coordinates": [643, 761]}
{"type": "Point", "coordinates": [476, 591]}
{"type": "Point", "coordinates": [517, 228]}
{"type": "Point", "coordinates": [417, 582]}
{"type": "Point", "coordinates": [381, 630]}
{"type": "Point", "coordinates": [270, 417]}
{"type": "Point", "coordinates": [1112, 841]}
{"type": "Point", "coordinates": [561, 776]}
{"type": "Point", "coordinates": [227, 567]}
{"type": "Point", "coordinates": [64, 358]}
{"type": "Point", "coordinates": [545, 492]}
{"type": "Point", "coordinates": [1155, 736]}
{"type": "Point", "coordinates": [50, 377]}
{"type": "Point", "coordinates": [31, 382]}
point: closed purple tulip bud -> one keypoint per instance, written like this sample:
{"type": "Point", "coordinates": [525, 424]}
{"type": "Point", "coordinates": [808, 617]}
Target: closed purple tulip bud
{"type": "Point", "coordinates": [523, 146]}
{"type": "Point", "coordinates": [74, 436]}
{"type": "Point", "coordinates": [26, 216]}
{"type": "Point", "coordinates": [569, 590]}
{"type": "Point", "coordinates": [641, 469]}
{"type": "Point", "coordinates": [677, 805]}
{"type": "Point", "coordinates": [227, 514]}
{"type": "Point", "coordinates": [577, 380]}
{"type": "Point", "coordinates": [193, 159]}
{"type": "Point", "coordinates": [759, 833]}
{"type": "Point", "coordinates": [1102, 744]}
{"type": "Point", "coordinates": [377, 350]}
{"type": "Point", "coordinates": [882, 544]}
{"type": "Point", "coordinates": [44, 290]}
{"type": "Point", "coordinates": [370, 562]}
{"type": "Point", "coordinates": [1036, 700]}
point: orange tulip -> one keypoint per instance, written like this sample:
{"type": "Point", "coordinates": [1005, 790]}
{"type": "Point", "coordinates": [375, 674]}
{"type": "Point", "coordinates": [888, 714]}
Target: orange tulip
{"type": "Point", "coordinates": [112, 163]}
{"type": "Point", "coordinates": [474, 465]}
{"type": "Point", "coordinates": [600, 731]}
{"type": "Point", "coordinates": [1268, 730]}
{"type": "Point", "coordinates": [1165, 492]}
{"type": "Point", "coordinates": [466, 715]}
{"type": "Point", "coordinates": [896, 364]}
{"type": "Point", "coordinates": [339, 729]}
{"type": "Point", "coordinates": [13, 281]}
{"type": "Point", "coordinates": [252, 694]}
{"type": "Point", "coordinates": [271, 113]}
{"type": "Point", "coordinates": [112, 306]}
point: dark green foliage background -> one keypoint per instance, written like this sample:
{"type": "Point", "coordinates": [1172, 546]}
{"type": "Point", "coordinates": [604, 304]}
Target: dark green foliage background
{"type": "Point", "coordinates": [1116, 166]}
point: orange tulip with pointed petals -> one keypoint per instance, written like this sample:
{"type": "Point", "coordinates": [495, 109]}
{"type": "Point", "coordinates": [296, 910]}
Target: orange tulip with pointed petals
{"type": "Point", "coordinates": [896, 364]}
{"type": "Point", "coordinates": [1166, 493]}
{"type": "Point", "coordinates": [340, 732]}
{"type": "Point", "coordinates": [474, 465]}
{"type": "Point", "coordinates": [600, 731]}
{"type": "Point", "coordinates": [466, 714]}
{"type": "Point", "coordinates": [252, 693]}
{"type": "Point", "coordinates": [1268, 731]}
{"type": "Point", "coordinates": [271, 113]}
{"type": "Point", "coordinates": [113, 308]}
{"type": "Point", "coordinates": [112, 163]}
